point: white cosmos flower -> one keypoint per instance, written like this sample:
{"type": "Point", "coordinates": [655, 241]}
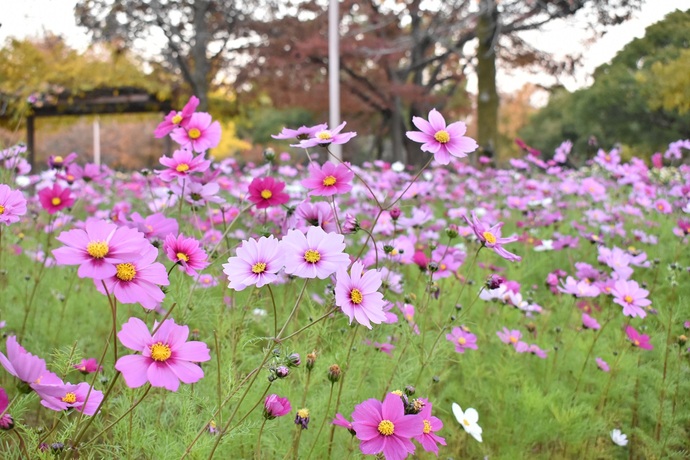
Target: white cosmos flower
{"type": "Point", "coordinates": [398, 167]}
{"type": "Point", "coordinates": [468, 420]}
{"type": "Point", "coordinates": [619, 438]}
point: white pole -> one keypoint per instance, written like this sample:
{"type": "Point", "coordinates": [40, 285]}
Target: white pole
{"type": "Point", "coordinates": [334, 72]}
{"type": "Point", "coordinates": [96, 142]}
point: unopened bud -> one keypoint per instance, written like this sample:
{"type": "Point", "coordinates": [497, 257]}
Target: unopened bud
{"type": "Point", "coordinates": [395, 213]}
{"type": "Point", "coordinates": [334, 373]}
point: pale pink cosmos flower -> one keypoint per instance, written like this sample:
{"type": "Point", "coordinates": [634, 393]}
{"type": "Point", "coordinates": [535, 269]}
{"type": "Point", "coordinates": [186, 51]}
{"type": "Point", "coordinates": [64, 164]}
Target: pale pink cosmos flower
{"type": "Point", "coordinates": [154, 226]}
{"type": "Point", "coordinates": [181, 165]}
{"type": "Point", "coordinates": [578, 288]}
{"type": "Point", "coordinates": [491, 237]}
{"type": "Point", "coordinates": [175, 119]}
{"type": "Point", "coordinates": [509, 336]}
{"type": "Point", "coordinates": [603, 365]}
{"type": "Point", "coordinates": [257, 263]}
{"type": "Point", "coordinates": [23, 365]}
{"type": "Point", "coordinates": [590, 323]}
{"type": "Point", "coordinates": [301, 133]}
{"type": "Point", "coordinates": [358, 297]}
{"type": "Point", "coordinates": [200, 134]}
{"type": "Point", "coordinates": [462, 339]}
{"type": "Point", "coordinates": [65, 396]}
{"type": "Point", "coordinates": [166, 357]}
{"type": "Point", "coordinates": [186, 252]}
{"type": "Point", "coordinates": [315, 255]}
{"type": "Point", "coordinates": [137, 280]}
{"type": "Point", "coordinates": [631, 297]}
{"type": "Point", "coordinates": [329, 179]}
{"type": "Point", "coordinates": [98, 248]}
{"type": "Point", "coordinates": [12, 205]}
{"type": "Point", "coordinates": [523, 347]}
{"type": "Point", "coordinates": [325, 137]}
{"type": "Point", "coordinates": [441, 140]}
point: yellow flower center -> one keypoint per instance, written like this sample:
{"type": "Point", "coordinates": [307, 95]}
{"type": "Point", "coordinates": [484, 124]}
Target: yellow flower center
{"type": "Point", "coordinates": [160, 351]}
{"type": "Point", "coordinates": [97, 249]}
{"type": "Point", "coordinates": [427, 427]}
{"type": "Point", "coordinates": [442, 136]}
{"type": "Point", "coordinates": [636, 343]}
{"type": "Point", "coordinates": [660, 207]}
{"type": "Point", "coordinates": [386, 427]}
{"type": "Point", "coordinates": [182, 167]}
{"type": "Point", "coordinates": [58, 159]}
{"type": "Point", "coordinates": [303, 413]}
{"type": "Point", "coordinates": [56, 201]}
{"type": "Point", "coordinates": [312, 256]}
{"type": "Point", "coordinates": [356, 296]}
{"type": "Point", "coordinates": [466, 422]}
{"type": "Point", "coordinates": [628, 299]}
{"type": "Point", "coordinates": [176, 119]}
{"type": "Point", "coordinates": [182, 256]}
{"type": "Point", "coordinates": [607, 157]}
{"type": "Point", "coordinates": [259, 267]}
{"type": "Point", "coordinates": [2, 209]}
{"type": "Point", "coordinates": [69, 398]}
{"type": "Point", "coordinates": [513, 339]}
{"type": "Point", "coordinates": [329, 181]}
{"type": "Point", "coordinates": [194, 133]}
{"type": "Point", "coordinates": [266, 194]}
{"type": "Point", "coordinates": [324, 135]}
{"type": "Point", "coordinates": [489, 237]}
{"type": "Point", "coordinates": [125, 272]}
{"type": "Point", "coordinates": [462, 340]}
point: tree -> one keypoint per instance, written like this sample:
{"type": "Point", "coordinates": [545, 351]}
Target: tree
{"type": "Point", "coordinates": [196, 34]}
{"type": "Point", "coordinates": [625, 104]}
{"type": "Point", "coordinates": [399, 59]}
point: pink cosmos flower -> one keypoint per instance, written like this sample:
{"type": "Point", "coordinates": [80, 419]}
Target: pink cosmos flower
{"type": "Point", "coordinates": [137, 280]}
{"type": "Point", "coordinates": [88, 366]}
{"type": "Point", "coordinates": [339, 420]}
{"type": "Point", "coordinates": [429, 439]}
{"type": "Point", "coordinates": [200, 134]}
{"type": "Point", "coordinates": [441, 140]}
{"type": "Point", "coordinates": [25, 366]}
{"type": "Point", "coordinates": [523, 347]}
{"type": "Point", "coordinates": [315, 255]}
{"type": "Point", "coordinates": [98, 248]}
{"type": "Point", "coordinates": [176, 119]}
{"type": "Point", "coordinates": [663, 206]}
{"type": "Point", "coordinates": [358, 297]}
{"type": "Point", "coordinates": [578, 288]}
{"type": "Point", "coordinates": [301, 133]}
{"type": "Point", "coordinates": [206, 281]}
{"type": "Point", "coordinates": [325, 137]}
{"type": "Point", "coordinates": [509, 336]}
{"type": "Point", "coordinates": [6, 421]}
{"type": "Point", "coordinates": [154, 226]}
{"type": "Point", "coordinates": [384, 427]}
{"type": "Point", "coordinates": [603, 365]}
{"type": "Point", "coordinates": [59, 162]}
{"type": "Point", "coordinates": [631, 297]}
{"type": "Point", "coordinates": [182, 164]}
{"type": "Point", "coordinates": [12, 205]}
{"type": "Point", "coordinates": [64, 396]}
{"type": "Point", "coordinates": [329, 179]}
{"type": "Point", "coordinates": [491, 237]}
{"type": "Point", "coordinates": [637, 339]}
{"type": "Point", "coordinates": [267, 191]}
{"type": "Point", "coordinates": [257, 263]}
{"type": "Point", "coordinates": [187, 252]}
{"type": "Point", "coordinates": [276, 406]}
{"type": "Point", "coordinates": [166, 357]}
{"type": "Point", "coordinates": [462, 339]}
{"type": "Point", "coordinates": [55, 198]}
{"type": "Point", "coordinates": [590, 323]}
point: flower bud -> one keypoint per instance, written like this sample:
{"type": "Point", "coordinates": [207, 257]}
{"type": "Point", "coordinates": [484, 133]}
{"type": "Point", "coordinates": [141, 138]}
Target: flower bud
{"type": "Point", "coordinates": [395, 213]}
{"type": "Point", "coordinates": [294, 360]}
{"type": "Point", "coordinates": [282, 372]}
{"type": "Point", "coordinates": [311, 360]}
{"type": "Point", "coordinates": [452, 231]}
{"type": "Point", "coordinates": [334, 373]}
{"type": "Point", "coordinates": [682, 339]}
{"type": "Point", "coordinates": [494, 281]}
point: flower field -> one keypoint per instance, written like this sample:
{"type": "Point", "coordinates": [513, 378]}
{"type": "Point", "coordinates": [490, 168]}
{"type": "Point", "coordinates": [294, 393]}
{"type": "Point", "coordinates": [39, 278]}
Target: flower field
{"type": "Point", "coordinates": [309, 308]}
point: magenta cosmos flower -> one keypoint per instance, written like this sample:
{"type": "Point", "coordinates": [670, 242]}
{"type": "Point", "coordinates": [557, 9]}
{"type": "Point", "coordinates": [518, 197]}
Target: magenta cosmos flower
{"type": "Point", "coordinates": [200, 134]}
{"type": "Point", "coordinates": [88, 366]}
{"type": "Point", "coordinates": [25, 366]}
{"type": "Point", "coordinates": [384, 427]}
{"type": "Point", "coordinates": [315, 255]}
{"type": "Point", "coordinates": [182, 164]}
{"type": "Point", "coordinates": [429, 439]}
{"type": "Point", "coordinates": [358, 297]}
{"type": "Point", "coordinates": [98, 248]}
{"type": "Point", "coordinates": [603, 365]}
{"type": "Point", "coordinates": [64, 396]}
{"type": "Point", "coordinates": [267, 191]}
{"type": "Point", "coordinates": [590, 323]}
{"type": "Point", "coordinates": [462, 339]}
{"type": "Point", "coordinates": [137, 280]}
{"type": "Point", "coordinates": [166, 357]}
{"type": "Point", "coordinates": [637, 339]}
{"type": "Point", "coordinates": [441, 140]}
{"type": "Point", "coordinates": [177, 119]}
{"type": "Point", "coordinates": [491, 237]}
{"type": "Point", "coordinates": [12, 205]}
{"type": "Point", "coordinates": [276, 406]}
{"type": "Point", "coordinates": [6, 421]}
{"type": "Point", "coordinates": [256, 263]}
{"type": "Point", "coordinates": [55, 198]}
{"type": "Point", "coordinates": [329, 179]}
{"type": "Point", "coordinates": [186, 252]}
{"type": "Point", "coordinates": [325, 137]}
{"type": "Point", "coordinates": [631, 297]}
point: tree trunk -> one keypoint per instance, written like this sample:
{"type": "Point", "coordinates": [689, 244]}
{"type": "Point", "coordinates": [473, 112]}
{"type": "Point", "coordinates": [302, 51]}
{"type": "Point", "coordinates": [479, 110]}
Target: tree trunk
{"type": "Point", "coordinates": [487, 98]}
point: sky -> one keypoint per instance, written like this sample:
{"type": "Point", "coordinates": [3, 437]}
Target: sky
{"type": "Point", "coordinates": [22, 18]}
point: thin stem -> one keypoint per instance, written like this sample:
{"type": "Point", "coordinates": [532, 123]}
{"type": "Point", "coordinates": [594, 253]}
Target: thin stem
{"type": "Point", "coordinates": [106, 429]}
{"type": "Point", "coordinates": [275, 311]}
{"type": "Point", "coordinates": [340, 388]}
{"type": "Point", "coordinates": [323, 422]}
{"type": "Point", "coordinates": [320, 318]}
{"type": "Point", "coordinates": [257, 454]}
